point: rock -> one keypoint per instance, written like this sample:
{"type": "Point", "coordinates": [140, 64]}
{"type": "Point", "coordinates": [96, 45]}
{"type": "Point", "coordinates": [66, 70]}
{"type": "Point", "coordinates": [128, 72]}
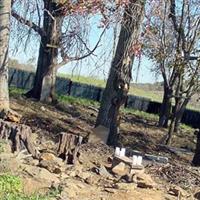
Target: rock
{"type": "Point", "coordinates": [124, 159]}
{"type": "Point", "coordinates": [135, 171]}
{"type": "Point", "coordinates": [42, 108]}
{"type": "Point", "coordinates": [110, 190]}
{"type": "Point", "coordinates": [47, 156]}
{"type": "Point", "coordinates": [78, 167]}
{"type": "Point", "coordinates": [34, 162]}
{"type": "Point", "coordinates": [92, 180]}
{"type": "Point", "coordinates": [197, 195]}
{"type": "Point", "coordinates": [10, 115]}
{"type": "Point", "coordinates": [72, 188]}
{"type": "Point", "coordinates": [9, 163]}
{"type": "Point", "coordinates": [59, 162]}
{"type": "Point", "coordinates": [70, 194]}
{"type": "Point", "coordinates": [52, 163]}
{"type": "Point", "coordinates": [64, 195]}
{"type": "Point", "coordinates": [51, 166]}
{"type": "Point", "coordinates": [31, 161]}
{"type": "Point", "coordinates": [40, 174]}
{"type": "Point", "coordinates": [128, 178]}
{"type": "Point", "coordinates": [145, 181]}
{"type": "Point", "coordinates": [121, 166]}
{"type": "Point", "coordinates": [126, 186]}
{"type": "Point", "coordinates": [32, 186]}
{"type": "Point", "coordinates": [89, 177]}
{"type": "Point", "coordinates": [177, 191]}
{"type": "Point", "coordinates": [84, 175]}
{"type": "Point", "coordinates": [102, 171]}
{"type": "Point", "coordinates": [63, 176]}
{"type": "Point", "coordinates": [120, 169]}
{"type": "Point", "coordinates": [72, 173]}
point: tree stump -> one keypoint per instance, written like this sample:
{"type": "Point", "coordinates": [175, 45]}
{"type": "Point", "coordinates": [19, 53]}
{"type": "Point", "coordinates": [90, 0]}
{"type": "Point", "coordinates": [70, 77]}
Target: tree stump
{"type": "Point", "coordinates": [19, 137]}
{"type": "Point", "coordinates": [68, 147]}
{"type": "Point", "coordinates": [196, 158]}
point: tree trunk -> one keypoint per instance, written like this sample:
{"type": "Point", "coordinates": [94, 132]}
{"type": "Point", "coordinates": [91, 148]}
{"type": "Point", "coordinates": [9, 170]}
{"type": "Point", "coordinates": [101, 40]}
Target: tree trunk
{"type": "Point", "coordinates": [177, 123]}
{"type": "Point", "coordinates": [179, 115]}
{"type": "Point", "coordinates": [166, 108]}
{"type": "Point", "coordinates": [44, 83]}
{"type": "Point", "coordinates": [68, 147]}
{"type": "Point", "coordinates": [170, 131]}
{"type": "Point", "coordinates": [5, 8]}
{"type": "Point", "coordinates": [172, 124]}
{"type": "Point", "coordinates": [178, 104]}
{"type": "Point", "coordinates": [119, 78]}
{"type": "Point", "coordinates": [196, 158]}
{"type": "Point", "coordinates": [175, 115]}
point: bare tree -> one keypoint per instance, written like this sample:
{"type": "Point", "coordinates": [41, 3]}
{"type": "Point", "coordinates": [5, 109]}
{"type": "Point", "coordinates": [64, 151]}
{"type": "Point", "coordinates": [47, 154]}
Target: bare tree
{"type": "Point", "coordinates": [120, 76]}
{"type": "Point", "coordinates": [172, 42]}
{"type": "Point", "coordinates": [185, 18]}
{"type": "Point", "coordinates": [5, 8]}
{"type": "Point", "coordinates": [61, 28]}
{"type": "Point", "coordinates": [159, 46]}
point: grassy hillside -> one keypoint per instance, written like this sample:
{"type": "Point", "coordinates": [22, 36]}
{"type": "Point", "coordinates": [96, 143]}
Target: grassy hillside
{"type": "Point", "coordinates": [151, 91]}
{"type": "Point", "coordinates": [137, 90]}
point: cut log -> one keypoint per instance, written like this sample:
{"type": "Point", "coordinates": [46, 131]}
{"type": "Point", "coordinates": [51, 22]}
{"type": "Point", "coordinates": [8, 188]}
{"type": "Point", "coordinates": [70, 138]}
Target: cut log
{"type": "Point", "coordinates": [68, 147]}
{"type": "Point", "coordinates": [19, 136]}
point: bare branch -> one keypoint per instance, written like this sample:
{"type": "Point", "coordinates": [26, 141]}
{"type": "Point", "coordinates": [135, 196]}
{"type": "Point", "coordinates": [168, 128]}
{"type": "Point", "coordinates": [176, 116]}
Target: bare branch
{"type": "Point", "coordinates": [38, 12]}
{"type": "Point", "coordinates": [178, 28]}
{"type": "Point", "coordinates": [28, 23]}
{"type": "Point", "coordinates": [69, 59]}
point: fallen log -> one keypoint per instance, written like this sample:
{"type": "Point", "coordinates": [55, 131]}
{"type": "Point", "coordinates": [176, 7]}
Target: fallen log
{"type": "Point", "coordinates": [68, 147]}
{"type": "Point", "coordinates": [19, 136]}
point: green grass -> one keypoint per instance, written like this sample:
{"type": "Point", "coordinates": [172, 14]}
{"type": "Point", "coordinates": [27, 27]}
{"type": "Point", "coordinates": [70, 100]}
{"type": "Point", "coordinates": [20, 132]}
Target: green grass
{"type": "Point", "coordinates": [15, 92]}
{"type": "Point", "coordinates": [153, 95]}
{"type": "Point", "coordinates": [10, 184]}
{"type": "Point", "coordinates": [141, 114]}
{"type": "Point", "coordinates": [102, 83]}
{"type": "Point", "coordinates": [134, 90]}
{"type": "Point", "coordinates": [83, 79]}
{"type": "Point", "coordinates": [11, 188]}
{"type": "Point", "coordinates": [187, 128]}
{"type": "Point", "coordinates": [77, 100]}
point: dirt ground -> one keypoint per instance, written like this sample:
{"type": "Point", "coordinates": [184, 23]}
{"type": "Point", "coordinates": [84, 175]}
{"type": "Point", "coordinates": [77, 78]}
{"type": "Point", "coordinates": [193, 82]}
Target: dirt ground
{"type": "Point", "coordinates": [48, 121]}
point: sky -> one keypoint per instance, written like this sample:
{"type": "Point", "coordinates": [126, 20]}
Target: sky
{"type": "Point", "coordinates": [96, 66]}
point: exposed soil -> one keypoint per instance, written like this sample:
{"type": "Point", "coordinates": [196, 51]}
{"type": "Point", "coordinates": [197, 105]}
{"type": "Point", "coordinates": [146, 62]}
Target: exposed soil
{"type": "Point", "coordinates": [47, 121]}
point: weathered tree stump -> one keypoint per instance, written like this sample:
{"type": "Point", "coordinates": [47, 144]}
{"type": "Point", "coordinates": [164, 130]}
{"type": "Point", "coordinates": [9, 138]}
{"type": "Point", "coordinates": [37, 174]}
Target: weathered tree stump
{"type": "Point", "coordinates": [196, 158]}
{"type": "Point", "coordinates": [68, 147]}
{"type": "Point", "coordinates": [19, 137]}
